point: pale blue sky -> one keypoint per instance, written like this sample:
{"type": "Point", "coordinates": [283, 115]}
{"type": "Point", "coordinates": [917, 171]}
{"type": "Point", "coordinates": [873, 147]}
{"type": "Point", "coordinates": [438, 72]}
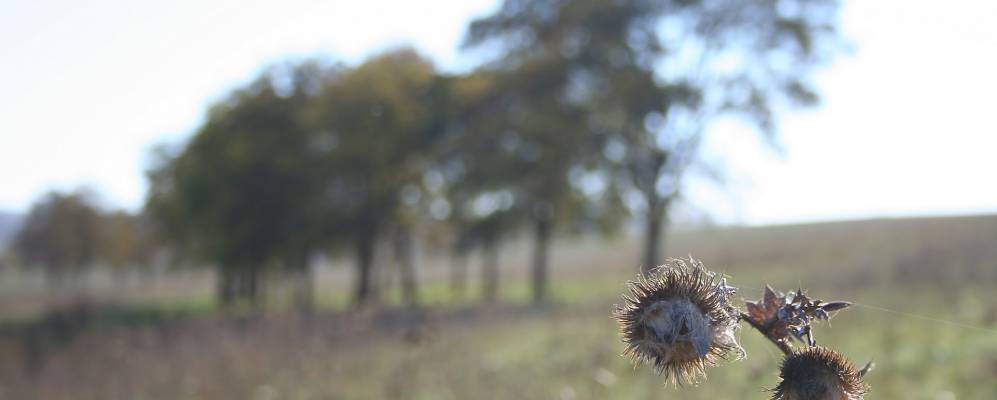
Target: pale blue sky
{"type": "Point", "coordinates": [906, 126]}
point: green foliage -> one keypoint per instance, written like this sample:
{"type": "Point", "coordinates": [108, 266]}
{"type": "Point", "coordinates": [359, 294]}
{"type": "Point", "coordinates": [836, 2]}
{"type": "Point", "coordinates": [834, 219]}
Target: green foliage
{"type": "Point", "coordinates": [586, 103]}
{"type": "Point", "coordinates": [126, 240]}
{"type": "Point", "coordinates": [640, 81]}
{"type": "Point", "coordinates": [61, 234]}
{"type": "Point", "coordinates": [244, 191]}
{"type": "Point", "coordinates": [386, 118]}
{"type": "Point", "coordinates": [66, 233]}
{"type": "Point", "coordinates": [382, 120]}
{"type": "Point", "coordinates": [304, 158]}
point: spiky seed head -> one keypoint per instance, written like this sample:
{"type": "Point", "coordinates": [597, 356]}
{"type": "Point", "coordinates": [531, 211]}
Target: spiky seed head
{"type": "Point", "coordinates": [818, 373]}
{"type": "Point", "coordinates": [679, 318]}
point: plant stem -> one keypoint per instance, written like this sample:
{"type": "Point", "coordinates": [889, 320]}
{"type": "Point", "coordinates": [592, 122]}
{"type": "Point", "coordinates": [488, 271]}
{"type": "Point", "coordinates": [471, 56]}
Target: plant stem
{"type": "Point", "coordinates": [781, 345]}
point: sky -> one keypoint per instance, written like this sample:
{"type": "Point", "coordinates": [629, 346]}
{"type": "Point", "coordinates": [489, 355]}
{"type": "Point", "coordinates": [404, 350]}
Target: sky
{"type": "Point", "coordinates": [905, 127]}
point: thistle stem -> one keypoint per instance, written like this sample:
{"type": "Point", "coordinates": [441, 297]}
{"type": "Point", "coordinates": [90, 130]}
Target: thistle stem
{"type": "Point", "coordinates": [781, 345]}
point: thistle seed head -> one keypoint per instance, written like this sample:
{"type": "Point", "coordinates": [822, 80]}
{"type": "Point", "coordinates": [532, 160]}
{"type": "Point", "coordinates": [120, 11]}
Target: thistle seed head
{"type": "Point", "coordinates": [680, 319]}
{"type": "Point", "coordinates": [784, 317]}
{"type": "Point", "coordinates": [818, 373]}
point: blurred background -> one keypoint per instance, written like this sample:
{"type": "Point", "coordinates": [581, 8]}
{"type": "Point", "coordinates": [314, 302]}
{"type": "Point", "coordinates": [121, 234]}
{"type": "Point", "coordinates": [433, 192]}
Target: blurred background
{"type": "Point", "coordinates": [443, 200]}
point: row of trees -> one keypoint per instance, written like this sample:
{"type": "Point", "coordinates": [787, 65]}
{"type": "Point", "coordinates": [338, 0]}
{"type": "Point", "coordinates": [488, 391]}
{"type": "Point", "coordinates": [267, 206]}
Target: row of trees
{"type": "Point", "coordinates": [68, 232]}
{"type": "Point", "coordinates": [589, 113]}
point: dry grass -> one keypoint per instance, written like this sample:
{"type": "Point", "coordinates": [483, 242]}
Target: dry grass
{"type": "Point", "coordinates": [942, 268]}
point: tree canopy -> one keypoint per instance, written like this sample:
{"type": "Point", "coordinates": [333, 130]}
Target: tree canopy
{"type": "Point", "coordinates": [583, 104]}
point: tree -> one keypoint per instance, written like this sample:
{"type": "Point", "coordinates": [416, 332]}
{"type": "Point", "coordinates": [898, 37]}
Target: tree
{"type": "Point", "coordinates": [126, 240]}
{"type": "Point", "coordinates": [543, 138]}
{"type": "Point", "coordinates": [243, 193]}
{"type": "Point", "coordinates": [61, 234]}
{"type": "Point", "coordinates": [654, 74]}
{"type": "Point", "coordinates": [478, 177]}
{"type": "Point", "coordinates": [384, 118]}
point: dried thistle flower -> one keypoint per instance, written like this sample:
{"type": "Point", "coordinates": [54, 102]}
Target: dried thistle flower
{"type": "Point", "coordinates": [818, 373]}
{"type": "Point", "coordinates": [679, 318]}
{"type": "Point", "coordinates": [782, 317]}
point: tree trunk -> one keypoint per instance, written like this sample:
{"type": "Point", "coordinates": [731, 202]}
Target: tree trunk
{"type": "Point", "coordinates": [237, 284]}
{"type": "Point", "coordinates": [458, 274]}
{"type": "Point", "coordinates": [405, 257]}
{"type": "Point", "coordinates": [303, 282]}
{"type": "Point", "coordinates": [226, 285]}
{"type": "Point", "coordinates": [382, 278]}
{"type": "Point", "coordinates": [365, 265]}
{"type": "Point", "coordinates": [657, 218]}
{"type": "Point", "coordinates": [489, 270]}
{"type": "Point", "coordinates": [240, 283]}
{"type": "Point", "coordinates": [253, 287]}
{"type": "Point", "coordinates": [540, 259]}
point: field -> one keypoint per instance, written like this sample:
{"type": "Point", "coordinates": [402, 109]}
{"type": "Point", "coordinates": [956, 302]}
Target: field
{"type": "Point", "coordinates": [925, 313]}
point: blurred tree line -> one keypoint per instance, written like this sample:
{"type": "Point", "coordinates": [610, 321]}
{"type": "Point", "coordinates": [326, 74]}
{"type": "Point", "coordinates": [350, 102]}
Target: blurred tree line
{"type": "Point", "coordinates": [584, 116]}
{"type": "Point", "coordinates": [65, 233]}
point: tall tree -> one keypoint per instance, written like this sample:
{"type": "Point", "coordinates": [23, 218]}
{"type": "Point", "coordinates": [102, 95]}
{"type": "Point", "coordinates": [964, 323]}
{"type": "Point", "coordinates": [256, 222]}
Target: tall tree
{"type": "Point", "coordinates": [543, 138]}
{"type": "Point", "coordinates": [655, 73]}
{"type": "Point", "coordinates": [473, 175]}
{"type": "Point", "coordinates": [384, 117]}
{"type": "Point", "coordinates": [502, 167]}
{"type": "Point", "coordinates": [60, 234]}
{"type": "Point", "coordinates": [243, 193]}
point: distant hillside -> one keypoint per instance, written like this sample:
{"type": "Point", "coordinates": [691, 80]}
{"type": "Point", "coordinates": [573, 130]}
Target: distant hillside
{"type": "Point", "coordinates": [929, 249]}
{"type": "Point", "coordinates": [9, 224]}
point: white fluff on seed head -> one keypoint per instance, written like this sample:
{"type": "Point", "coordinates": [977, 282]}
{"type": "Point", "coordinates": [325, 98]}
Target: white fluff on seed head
{"type": "Point", "coordinates": [679, 321]}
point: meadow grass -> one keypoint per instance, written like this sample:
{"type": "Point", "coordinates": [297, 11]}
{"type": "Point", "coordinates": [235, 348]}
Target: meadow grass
{"type": "Point", "coordinates": [941, 271]}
